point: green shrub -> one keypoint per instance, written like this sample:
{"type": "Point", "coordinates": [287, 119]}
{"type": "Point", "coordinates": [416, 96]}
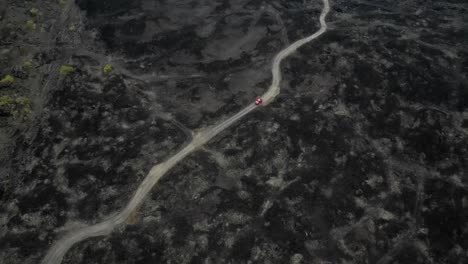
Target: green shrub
{"type": "Point", "coordinates": [72, 27]}
{"type": "Point", "coordinates": [107, 69]}
{"type": "Point", "coordinates": [4, 101]}
{"type": "Point", "coordinates": [7, 80]}
{"type": "Point", "coordinates": [19, 108]}
{"type": "Point", "coordinates": [22, 101]}
{"type": "Point", "coordinates": [27, 65]}
{"type": "Point", "coordinates": [34, 11]}
{"type": "Point", "coordinates": [30, 25]}
{"type": "Point", "coordinates": [66, 70]}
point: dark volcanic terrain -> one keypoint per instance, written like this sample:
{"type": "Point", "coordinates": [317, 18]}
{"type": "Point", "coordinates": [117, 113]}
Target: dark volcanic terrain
{"type": "Point", "coordinates": [362, 158]}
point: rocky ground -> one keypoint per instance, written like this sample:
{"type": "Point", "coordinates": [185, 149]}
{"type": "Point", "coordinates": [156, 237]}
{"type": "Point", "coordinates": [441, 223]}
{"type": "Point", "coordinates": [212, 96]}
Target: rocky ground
{"type": "Point", "coordinates": [363, 157]}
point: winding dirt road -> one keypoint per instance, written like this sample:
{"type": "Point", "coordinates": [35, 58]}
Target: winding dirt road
{"type": "Point", "coordinates": [61, 246]}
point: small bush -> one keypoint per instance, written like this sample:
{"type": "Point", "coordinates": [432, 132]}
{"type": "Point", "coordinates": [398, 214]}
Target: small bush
{"type": "Point", "coordinates": [30, 25]}
{"type": "Point", "coordinates": [27, 65]}
{"type": "Point", "coordinates": [34, 11]}
{"type": "Point", "coordinates": [72, 27]}
{"type": "Point", "coordinates": [66, 70]}
{"type": "Point", "coordinates": [19, 108]}
{"type": "Point", "coordinates": [107, 69]}
{"type": "Point", "coordinates": [7, 80]}
{"type": "Point", "coordinates": [62, 3]}
{"type": "Point", "coordinates": [4, 101]}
